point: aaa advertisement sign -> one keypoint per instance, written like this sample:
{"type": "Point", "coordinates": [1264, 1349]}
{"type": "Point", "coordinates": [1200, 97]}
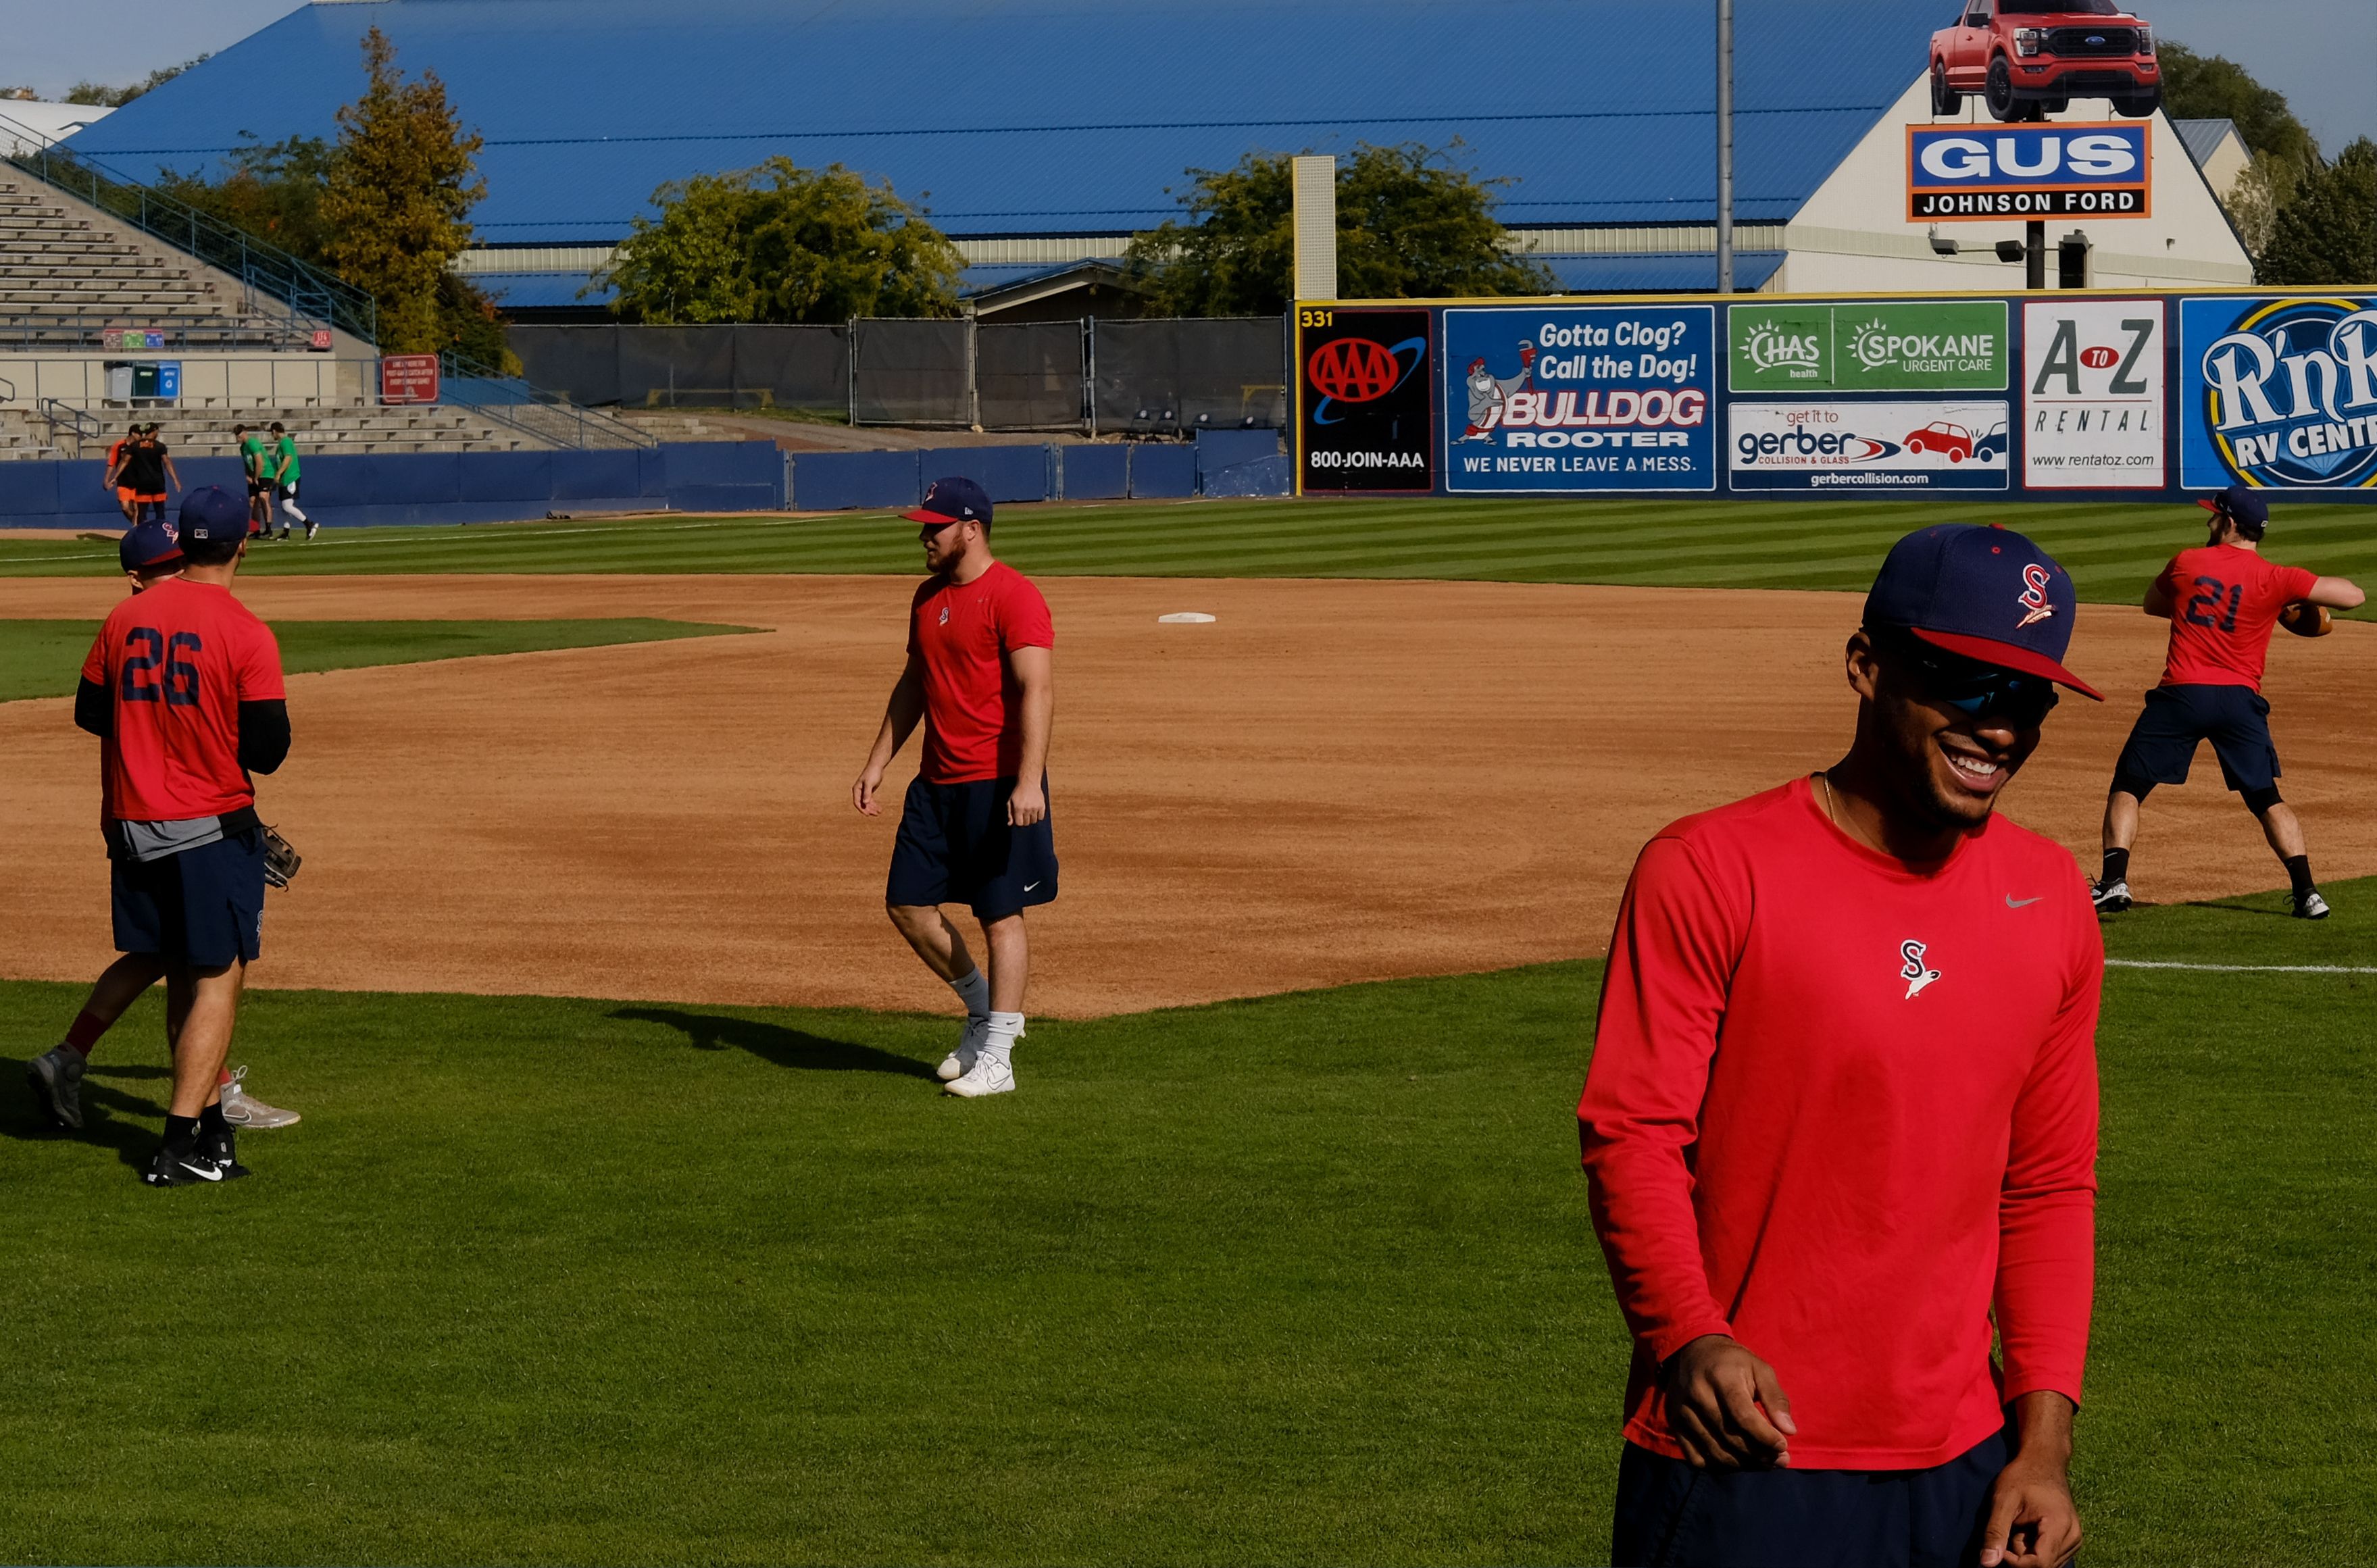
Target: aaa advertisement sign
{"type": "Point", "coordinates": [1810, 445]}
{"type": "Point", "coordinates": [2092, 404]}
{"type": "Point", "coordinates": [2278, 392]}
{"type": "Point", "coordinates": [1963, 173]}
{"type": "Point", "coordinates": [1363, 411]}
{"type": "Point", "coordinates": [1880, 345]}
{"type": "Point", "coordinates": [1580, 398]}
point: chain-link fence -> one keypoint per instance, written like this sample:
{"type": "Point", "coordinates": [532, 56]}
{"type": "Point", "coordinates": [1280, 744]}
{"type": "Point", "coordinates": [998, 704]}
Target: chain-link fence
{"type": "Point", "coordinates": [1164, 377]}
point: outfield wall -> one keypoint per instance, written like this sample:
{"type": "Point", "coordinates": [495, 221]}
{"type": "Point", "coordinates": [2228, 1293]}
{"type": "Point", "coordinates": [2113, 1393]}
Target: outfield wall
{"type": "Point", "coordinates": [2048, 397]}
{"type": "Point", "coordinates": [690, 476]}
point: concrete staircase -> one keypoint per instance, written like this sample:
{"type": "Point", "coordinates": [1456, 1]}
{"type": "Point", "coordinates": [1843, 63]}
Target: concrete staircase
{"type": "Point", "coordinates": [64, 279]}
{"type": "Point", "coordinates": [321, 432]}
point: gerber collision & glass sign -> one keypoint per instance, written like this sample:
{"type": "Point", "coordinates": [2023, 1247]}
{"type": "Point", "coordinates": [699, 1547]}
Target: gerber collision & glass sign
{"type": "Point", "coordinates": [1972, 173]}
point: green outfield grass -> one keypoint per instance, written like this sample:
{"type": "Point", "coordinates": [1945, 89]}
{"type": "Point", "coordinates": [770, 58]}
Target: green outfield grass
{"type": "Point", "coordinates": [41, 659]}
{"type": "Point", "coordinates": [2112, 550]}
{"type": "Point", "coordinates": [1300, 1279]}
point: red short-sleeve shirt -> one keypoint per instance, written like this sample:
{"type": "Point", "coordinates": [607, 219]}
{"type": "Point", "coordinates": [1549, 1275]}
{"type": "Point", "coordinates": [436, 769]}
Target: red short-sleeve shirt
{"type": "Point", "coordinates": [2224, 602]}
{"type": "Point", "coordinates": [974, 710]}
{"type": "Point", "coordinates": [177, 661]}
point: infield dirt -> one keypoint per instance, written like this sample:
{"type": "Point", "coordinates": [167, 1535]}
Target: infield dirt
{"type": "Point", "coordinates": [1334, 781]}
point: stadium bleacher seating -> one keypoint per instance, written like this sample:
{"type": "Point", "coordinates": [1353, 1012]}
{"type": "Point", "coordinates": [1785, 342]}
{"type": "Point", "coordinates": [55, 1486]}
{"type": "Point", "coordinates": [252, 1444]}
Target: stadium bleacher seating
{"type": "Point", "coordinates": [64, 280]}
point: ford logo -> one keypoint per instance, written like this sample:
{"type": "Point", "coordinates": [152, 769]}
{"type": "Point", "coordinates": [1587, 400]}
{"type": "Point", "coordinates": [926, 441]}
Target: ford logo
{"type": "Point", "coordinates": [2097, 39]}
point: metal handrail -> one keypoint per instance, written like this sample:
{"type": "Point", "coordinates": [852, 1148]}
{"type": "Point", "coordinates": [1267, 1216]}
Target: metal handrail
{"type": "Point", "coordinates": [488, 391]}
{"type": "Point", "coordinates": [36, 331]}
{"type": "Point", "coordinates": [306, 292]}
{"type": "Point", "coordinates": [81, 424]}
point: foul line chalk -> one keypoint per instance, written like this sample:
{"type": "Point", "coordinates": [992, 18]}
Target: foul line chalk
{"type": "Point", "coordinates": [2243, 969]}
{"type": "Point", "coordinates": [1185, 618]}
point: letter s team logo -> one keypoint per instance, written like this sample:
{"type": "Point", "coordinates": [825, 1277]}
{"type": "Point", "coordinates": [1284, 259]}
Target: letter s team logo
{"type": "Point", "coordinates": [2280, 393]}
{"type": "Point", "coordinates": [2033, 598]}
{"type": "Point", "coordinates": [1915, 973]}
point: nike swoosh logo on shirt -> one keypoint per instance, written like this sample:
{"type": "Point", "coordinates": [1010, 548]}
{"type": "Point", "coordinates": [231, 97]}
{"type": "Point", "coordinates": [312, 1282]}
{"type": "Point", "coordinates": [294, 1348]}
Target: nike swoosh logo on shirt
{"type": "Point", "coordinates": [2014, 903]}
{"type": "Point", "coordinates": [1030, 886]}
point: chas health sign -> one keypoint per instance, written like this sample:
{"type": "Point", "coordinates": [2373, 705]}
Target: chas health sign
{"type": "Point", "coordinates": [2278, 392]}
{"type": "Point", "coordinates": [1580, 398]}
{"type": "Point", "coordinates": [1876, 346]}
{"type": "Point", "coordinates": [1960, 174]}
{"type": "Point", "coordinates": [1867, 446]}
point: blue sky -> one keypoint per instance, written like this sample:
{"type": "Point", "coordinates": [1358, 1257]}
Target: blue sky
{"type": "Point", "coordinates": [2321, 54]}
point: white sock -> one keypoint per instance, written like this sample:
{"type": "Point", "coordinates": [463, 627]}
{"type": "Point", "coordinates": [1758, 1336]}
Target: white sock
{"type": "Point", "coordinates": [290, 507]}
{"type": "Point", "coordinates": [1004, 1027]}
{"type": "Point", "coordinates": [975, 991]}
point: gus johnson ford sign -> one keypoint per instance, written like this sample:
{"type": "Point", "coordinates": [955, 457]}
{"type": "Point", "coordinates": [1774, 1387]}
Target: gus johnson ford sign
{"type": "Point", "coordinates": [1976, 172]}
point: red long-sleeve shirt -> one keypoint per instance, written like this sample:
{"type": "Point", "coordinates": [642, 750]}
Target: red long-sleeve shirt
{"type": "Point", "coordinates": [1839, 1107]}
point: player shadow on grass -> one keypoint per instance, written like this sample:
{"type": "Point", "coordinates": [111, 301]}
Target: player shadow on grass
{"type": "Point", "coordinates": [105, 1113]}
{"type": "Point", "coordinates": [775, 1043]}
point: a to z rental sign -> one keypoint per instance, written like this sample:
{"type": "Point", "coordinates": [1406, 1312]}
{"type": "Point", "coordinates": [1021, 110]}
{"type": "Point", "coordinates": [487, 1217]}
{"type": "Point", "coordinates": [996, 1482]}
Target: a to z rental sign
{"type": "Point", "coordinates": [1971, 173]}
{"type": "Point", "coordinates": [2058, 395]}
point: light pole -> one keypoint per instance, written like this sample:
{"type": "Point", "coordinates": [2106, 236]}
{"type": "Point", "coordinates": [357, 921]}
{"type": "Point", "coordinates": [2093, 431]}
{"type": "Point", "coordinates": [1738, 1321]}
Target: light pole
{"type": "Point", "coordinates": [1725, 146]}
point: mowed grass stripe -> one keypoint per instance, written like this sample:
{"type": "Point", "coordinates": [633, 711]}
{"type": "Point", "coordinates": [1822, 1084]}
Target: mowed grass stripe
{"type": "Point", "coordinates": [2112, 548]}
{"type": "Point", "coordinates": [42, 658]}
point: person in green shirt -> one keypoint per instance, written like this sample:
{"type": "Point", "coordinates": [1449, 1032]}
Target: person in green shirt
{"type": "Point", "coordinates": [284, 462]}
{"type": "Point", "coordinates": [259, 493]}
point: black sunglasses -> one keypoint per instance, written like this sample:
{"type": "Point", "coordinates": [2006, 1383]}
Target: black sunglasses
{"type": "Point", "coordinates": [1974, 688]}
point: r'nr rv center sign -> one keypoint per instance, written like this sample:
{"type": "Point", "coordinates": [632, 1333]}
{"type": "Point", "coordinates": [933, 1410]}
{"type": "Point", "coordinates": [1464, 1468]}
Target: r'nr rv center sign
{"type": "Point", "coordinates": [1977, 173]}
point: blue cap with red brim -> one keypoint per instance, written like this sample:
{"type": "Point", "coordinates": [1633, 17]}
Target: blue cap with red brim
{"type": "Point", "coordinates": [1986, 593]}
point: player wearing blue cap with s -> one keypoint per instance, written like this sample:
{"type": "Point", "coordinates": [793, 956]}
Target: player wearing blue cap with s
{"type": "Point", "coordinates": [2222, 600]}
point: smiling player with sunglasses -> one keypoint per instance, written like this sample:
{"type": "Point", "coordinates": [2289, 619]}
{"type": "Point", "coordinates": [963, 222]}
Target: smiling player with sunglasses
{"type": "Point", "coordinates": [1841, 1119]}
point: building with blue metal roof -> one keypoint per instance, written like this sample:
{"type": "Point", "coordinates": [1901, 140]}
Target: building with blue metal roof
{"type": "Point", "coordinates": [1041, 134]}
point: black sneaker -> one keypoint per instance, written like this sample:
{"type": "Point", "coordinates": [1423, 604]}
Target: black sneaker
{"type": "Point", "coordinates": [2110, 897]}
{"type": "Point", "coordinates": [223, 1149]}
{"type": "Point", "coordinates": [184, 1166]}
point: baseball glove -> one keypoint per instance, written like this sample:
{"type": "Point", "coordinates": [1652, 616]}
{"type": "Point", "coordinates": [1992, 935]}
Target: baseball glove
{"type": "Point", "coordinates": [2305, 619]}
{"type": "Point", "coordinates": [281, 858]}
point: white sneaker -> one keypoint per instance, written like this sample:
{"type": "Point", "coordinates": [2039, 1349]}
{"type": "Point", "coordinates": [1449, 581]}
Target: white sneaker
{"type": "Point", "coordinates": [56, 1079]}
{"type": "Point", "coordinates": [991, 1073]}
{"type": "Point", "coordinates": [244, 1110]}
{"type": "Point", "coordinates": [2310, 906]}
{"type": "Point", "coordinates": [958, 1063]}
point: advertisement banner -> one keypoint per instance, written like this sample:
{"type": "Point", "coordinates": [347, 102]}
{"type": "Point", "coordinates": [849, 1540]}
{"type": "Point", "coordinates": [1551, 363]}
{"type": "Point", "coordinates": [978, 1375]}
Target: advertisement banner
{"type": "Point", "coordinates": [1878, 346]}
{"type": "Point", "coordinates": [1580, 398]}
{"type": "Point", "coordinates": [1970, 174]}
{"type": "Point", "coordinates": [408, 378]}
{"type": "Point", "coordinates": [1879, 447]}
{"type": "Point", "coordinates": [2278, 392]}
{"type": "Point", "coordinates": [2093, 399]}
{"type": "Point", "coordinates": [1364, 411]}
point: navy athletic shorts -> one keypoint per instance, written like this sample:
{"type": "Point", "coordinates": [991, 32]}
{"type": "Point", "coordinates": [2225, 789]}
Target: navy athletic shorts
{"type": "Point", "coordinates": [955, 846]}
{"type": "Point", "coordinates": [2236, 719]}
{"type": "Point", "coordinates": [1671, 1514]}
{"type": "Point", "coordinates": [202, 907]}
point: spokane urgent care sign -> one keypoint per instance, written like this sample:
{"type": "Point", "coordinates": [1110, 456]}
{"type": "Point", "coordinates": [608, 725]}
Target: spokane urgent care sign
{"type": "Point", "coordinates": [1976, 173]}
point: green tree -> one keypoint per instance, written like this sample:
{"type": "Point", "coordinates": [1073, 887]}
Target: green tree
{"type": "Point", "coordinates": [779, 242]}
{"type": "Point", "coordinates": [2328, 233]}
{"type": "Point", "coordinates": [117, 97]}
{"type": "Point", "coordinates": [2198, 86]}
{"type": "Point", "coordinates": [397, 198]}
{"type": "Point", "coordinates": [1411, 224]}
{"type": "Point", "coordinates": [274, 190]}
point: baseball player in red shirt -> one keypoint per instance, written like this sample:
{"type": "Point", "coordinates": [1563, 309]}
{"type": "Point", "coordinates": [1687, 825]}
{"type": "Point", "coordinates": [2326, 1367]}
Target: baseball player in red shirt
{"type": "Point", "coordinates": [183, 686]}
{"type": "Point", "coordinates": [2222, 600]}
{"type": "Point", "coordinates": [974, 828]}
{"type": "Point", "coordinates": [149, 553]}
{"type": "Point", "coordinates": [1841, 1118]}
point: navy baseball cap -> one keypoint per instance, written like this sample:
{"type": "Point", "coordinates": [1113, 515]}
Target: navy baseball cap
{"type": "Point", "coordinates": [147, 544]}
{"type": "Point", "coordinates": [213, 513]}
{"type": "Point", "coordinates": [953, 500]}
{"type": "Point", "coordinates": [1986, 593]}
{"type": "Point", "coordinates": [2242, 502]}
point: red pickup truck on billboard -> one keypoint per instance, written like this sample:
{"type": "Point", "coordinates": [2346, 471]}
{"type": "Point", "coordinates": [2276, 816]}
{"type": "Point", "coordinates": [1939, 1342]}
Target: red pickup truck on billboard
{"type": "Point", "coordinates": [2029, 58]}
